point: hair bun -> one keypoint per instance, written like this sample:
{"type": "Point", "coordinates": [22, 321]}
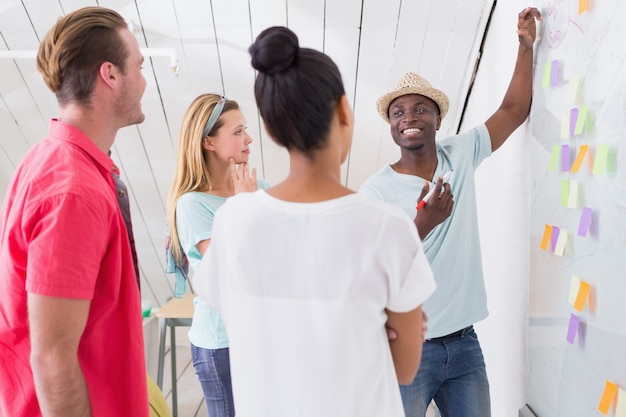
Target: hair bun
{"type": "Point", "coordinates": [274, 50]}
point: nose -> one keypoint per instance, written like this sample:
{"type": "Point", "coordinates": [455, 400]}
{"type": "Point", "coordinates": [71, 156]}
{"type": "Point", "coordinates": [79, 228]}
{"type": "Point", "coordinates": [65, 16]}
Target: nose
{"type": "Point", "coordinates": [248, 139]}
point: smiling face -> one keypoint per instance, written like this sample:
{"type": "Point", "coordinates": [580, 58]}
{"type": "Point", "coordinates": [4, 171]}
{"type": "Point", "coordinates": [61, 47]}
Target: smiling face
{"type": "Point", "coordinates": [414, 121]}
{"type": "Point", "coordinates": [232, 140]}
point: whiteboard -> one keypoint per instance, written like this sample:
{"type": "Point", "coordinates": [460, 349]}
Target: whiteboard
{"type": "Point", "coordinates": [577, 309]}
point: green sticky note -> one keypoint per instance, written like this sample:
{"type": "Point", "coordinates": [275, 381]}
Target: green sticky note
{"type": "Point", "coordinates": [555, 157]}
{"type": "Point", "coordinates": [547, 74]}
{"type": "Point", "coordinates": [602, 154]}
{"type": "Point", "coordinates": [582, 118]}
{"type": "Point", "coordinates": [564, 192]}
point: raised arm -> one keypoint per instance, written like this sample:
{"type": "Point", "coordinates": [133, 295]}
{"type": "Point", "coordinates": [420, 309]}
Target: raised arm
{"type": "Point", "coordinates": [405, 342]}
{"type": "Point", "coordinates": [516, 103]}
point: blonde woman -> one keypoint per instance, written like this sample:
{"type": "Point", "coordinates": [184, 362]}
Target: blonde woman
{"type": "Point", "coordinates": [212, 166]}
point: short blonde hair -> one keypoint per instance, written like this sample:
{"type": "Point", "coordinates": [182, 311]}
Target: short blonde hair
{"type": "Point", "coordinates": [76, 46]}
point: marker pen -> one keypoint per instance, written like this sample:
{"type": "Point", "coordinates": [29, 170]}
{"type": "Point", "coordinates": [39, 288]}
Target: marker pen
{"type": "Point", "coordinates": [430, 192]}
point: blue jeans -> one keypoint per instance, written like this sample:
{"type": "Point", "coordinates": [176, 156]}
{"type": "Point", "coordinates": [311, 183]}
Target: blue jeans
{"type": "Point", "coordinates": [452, 372]}
{"type": "Point", "coordinates": [213, 370]}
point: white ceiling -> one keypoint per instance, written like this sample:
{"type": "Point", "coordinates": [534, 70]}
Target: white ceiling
{"type": "Point", "coordinates": [374, 42]}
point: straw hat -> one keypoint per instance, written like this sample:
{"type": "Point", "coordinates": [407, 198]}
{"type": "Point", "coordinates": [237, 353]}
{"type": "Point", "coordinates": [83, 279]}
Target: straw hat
{"type": "Point", "coordinates": [412, 83]}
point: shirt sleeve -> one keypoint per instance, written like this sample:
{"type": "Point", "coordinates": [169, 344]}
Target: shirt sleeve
{"type": "Point", "coordinates": [411, 279]}
{"type": "Point", "coordinates": [194, 221]}
{"type": "Point", "coordinates": [68, 237]}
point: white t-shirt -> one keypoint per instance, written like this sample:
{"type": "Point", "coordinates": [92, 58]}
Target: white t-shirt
{"type": "Point", "coordinates": [302, 288]}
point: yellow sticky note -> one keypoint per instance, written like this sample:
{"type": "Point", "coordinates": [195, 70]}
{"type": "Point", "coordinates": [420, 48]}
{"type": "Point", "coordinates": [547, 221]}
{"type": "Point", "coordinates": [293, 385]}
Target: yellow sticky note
{"type": "Point", "coordinates": [574, 288]}
{"type": "Point", "coordinates": [583, 111]}
{"type": "Point", "coordinates": [547, 235]}
{"type": "Point", "coordinates": [561, 243]}
{"type": "Point", "coordinates": [547, 74]}
{"type": "Point", "coordinates": [583, 6]}
{"type": "Point", "coordinates": [573, 200]}
{"type": "Point", "coordinates": [564, 192]}
{"type": "Point", "coordinates": [610, 391]}
{"type": "Point", "coordinates": [620, 410]}
{"type": "Point", "coordinates": [582, 152]}
{"type": "Point", "coordinates": [581, 298]}
{"type": "Point", "coordinates": [573, 90]}
{"type": "Point", "coordinates": [565, 125]}
{"type": "Point", "coordinates": [602, 155]}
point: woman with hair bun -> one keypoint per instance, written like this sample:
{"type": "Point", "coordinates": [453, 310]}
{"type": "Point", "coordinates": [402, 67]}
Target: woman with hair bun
{"type": "Point", "coordinates": [307, 274]}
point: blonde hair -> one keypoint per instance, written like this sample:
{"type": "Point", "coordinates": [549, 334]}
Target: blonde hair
{"type": "Point", "coordinates": [74, 48]}
{"type": "Point", "coordinates": [192, 171]}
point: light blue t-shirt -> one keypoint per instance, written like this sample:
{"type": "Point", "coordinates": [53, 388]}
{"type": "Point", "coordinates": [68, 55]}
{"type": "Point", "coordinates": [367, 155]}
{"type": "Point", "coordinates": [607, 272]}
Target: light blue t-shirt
{"type": "Point", "coordinates": [194, 222]}
{"type": "Point", "coordinates": [452, 247]}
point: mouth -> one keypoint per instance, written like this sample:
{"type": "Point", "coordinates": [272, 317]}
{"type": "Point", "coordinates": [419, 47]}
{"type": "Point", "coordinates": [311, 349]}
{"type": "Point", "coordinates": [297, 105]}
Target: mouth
{"type": "Point", "coordinates": [410, 130]}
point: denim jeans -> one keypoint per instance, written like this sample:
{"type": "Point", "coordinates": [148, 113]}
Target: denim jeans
{"type": "Point", "coordinates": [452, 372]}
{"type": "Point", "coordinates": [213, 369]}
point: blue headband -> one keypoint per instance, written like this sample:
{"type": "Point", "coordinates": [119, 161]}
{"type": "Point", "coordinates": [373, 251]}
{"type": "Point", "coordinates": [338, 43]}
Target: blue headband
{"type": "Point", "coordinates": [215, 114]}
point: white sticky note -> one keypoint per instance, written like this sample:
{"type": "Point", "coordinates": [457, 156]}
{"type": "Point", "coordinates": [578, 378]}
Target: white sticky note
{"type": "Point", "coordinates": [620, 410]}
{"type": "Point", "coordinates": [573, 200]}
{"type": "Point", "coordinates": [561, 243]}
{"type": "Point", "coordinates": [573, 289]}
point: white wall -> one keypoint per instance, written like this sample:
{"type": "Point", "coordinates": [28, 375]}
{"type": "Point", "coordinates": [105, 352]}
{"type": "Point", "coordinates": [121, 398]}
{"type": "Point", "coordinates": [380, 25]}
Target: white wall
{"type": "Point", "coordinates": [503, 193]}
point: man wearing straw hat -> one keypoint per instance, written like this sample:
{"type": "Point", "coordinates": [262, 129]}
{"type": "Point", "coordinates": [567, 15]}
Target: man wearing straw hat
{"type": "Point", "coordinates": [452, 370]}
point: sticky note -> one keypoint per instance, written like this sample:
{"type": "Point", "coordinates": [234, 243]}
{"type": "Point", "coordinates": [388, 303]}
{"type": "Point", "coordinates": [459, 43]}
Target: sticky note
{"type": "Point", "coordinates": [581, 298]}
{"type": "Point", "coordinates": [561, 243]}
{"type": "Point", "coordinates": [602, 155]}
{"type": "Point", "coordinates": [572, 329]}
{"type": "Point", "coordinates": [554, 237]}
{"type": "Point", "coordinates": [608, 396]}
{"type": "Point", "coordinates": [581, 119]}
{"type": "Point", "coordinates": [580, 157]}
{"type": "Point", "coordinates": [620, 410]}
{"type": "Point", "coordinates": [583, 6]}
{"type": "Point", "coordinates": [564, 192]}
{"type": "Point", "coordinates": [565, 158]}
{"type": "Point", "coordinates": [574, 286]}
{"type": "Point", "coordinates": [585, 222]}
{"type": "Point", "coordinates": [565, 125]}
{"type": "Point", "coordinates": [547, 233]}
{"type": "Point", "coordinates": [554, 73]}
{"type": "Point", "coordinates": [573, 200]}
{"type": "Point", "coordinates": [573, 90]}
{"type": "Point", "coordinates": [547, 72]}
{"type": "Point", "coordinates": [573, 121]}
{"type": "Point", "coordinates": [554, 157]}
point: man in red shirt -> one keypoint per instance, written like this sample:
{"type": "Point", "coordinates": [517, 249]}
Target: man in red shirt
{"type": "Point", "coordinates": [71, 341]}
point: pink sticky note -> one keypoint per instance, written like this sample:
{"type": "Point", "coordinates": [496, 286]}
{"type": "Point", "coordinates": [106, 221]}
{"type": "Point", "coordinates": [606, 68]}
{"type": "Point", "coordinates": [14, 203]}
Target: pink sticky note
{"type": "Point", "coordinates": [585, 221]}
{"type": "Point", "coordinates": [573, 119]}
{"type": "Point", "coordinates": [565, 156]}
{"type": "Point", "coordinates": [574, 321]}
{"type": "Point", "coordinates": [554, 76]}
{"type": "Point", "coordinates": [555, 237]}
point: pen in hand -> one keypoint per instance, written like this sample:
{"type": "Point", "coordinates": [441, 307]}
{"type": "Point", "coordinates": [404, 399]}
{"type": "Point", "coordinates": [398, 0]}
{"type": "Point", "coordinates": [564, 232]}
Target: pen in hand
{"type": "Point", "coordinates": [428, 195]}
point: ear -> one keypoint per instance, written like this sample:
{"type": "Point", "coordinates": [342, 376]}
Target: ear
{"type": "Point", "coordinates": [438, 121]}
{"type": "Point", "coordinates": [109, 74]}
{"type": "Point", "coordinates": [207, 144]}
{"type": "Point", "coordinates": [344, 111]}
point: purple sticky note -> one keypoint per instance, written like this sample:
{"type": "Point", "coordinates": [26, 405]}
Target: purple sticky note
{"type": "Point", "coordinates": [573, 119]}
{"type": "Point", "coordinates": [565, 158]}
{"type": "Point", "coordinates": [555, 237]}
{"type": "Point", "coordinates": [574, 321]}
{"type": "Point", "coordinates": [585, 221]}
{"type": "Point", "coordinates": [554, 76]}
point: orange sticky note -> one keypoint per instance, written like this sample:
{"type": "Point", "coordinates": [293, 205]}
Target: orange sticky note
{"type": "Point", "coordinates": [583, 6]}
{"type": "Point", "coordinates": [582, 152]}
{"type": "Point", "coordinates": [547, 235]}
{"type": "Point", "coordinates": [581, 299]}
{"type": "Point", "coordinates": [610, 392]}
